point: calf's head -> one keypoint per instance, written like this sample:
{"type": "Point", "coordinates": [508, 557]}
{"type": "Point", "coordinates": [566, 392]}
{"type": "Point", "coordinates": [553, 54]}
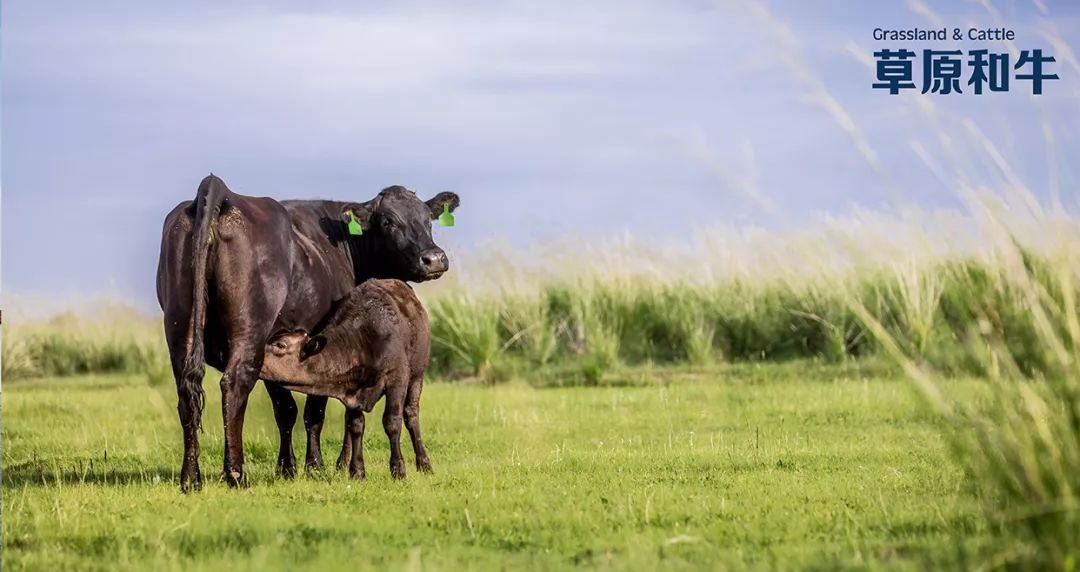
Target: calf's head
{"type": "Point", "coordinates": [397, 239]}
{"type": "Point", "coordinates": [296, 357]}
{"type": "Point", "coordinates": [284, 357]}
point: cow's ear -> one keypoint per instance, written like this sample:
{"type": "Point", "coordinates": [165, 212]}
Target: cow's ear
{"type": "Point", "coordinates": [444, 198]}
{"type": "Point", "coordinates": [361, 211]}
{"type": "Point", "coordinates": [314, 345]}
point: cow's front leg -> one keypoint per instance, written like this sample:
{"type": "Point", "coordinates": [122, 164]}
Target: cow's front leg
{"type": "Point", "coordinates": [285, 415]}
{"type": "Point", "coordinates": [354, 427]}
{"type": "Point", "coordinates": [314, 415]}
{"type": "Point", "coordinates": [236, 385]}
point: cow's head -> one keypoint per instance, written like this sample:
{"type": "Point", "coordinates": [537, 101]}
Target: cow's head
{"type": "Point", "coordinates": [397, 234]}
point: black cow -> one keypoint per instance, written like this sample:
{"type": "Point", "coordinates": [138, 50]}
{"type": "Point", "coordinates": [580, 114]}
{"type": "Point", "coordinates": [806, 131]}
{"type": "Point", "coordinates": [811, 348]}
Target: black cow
{"type": "Point", "coordinates": [235, 271]}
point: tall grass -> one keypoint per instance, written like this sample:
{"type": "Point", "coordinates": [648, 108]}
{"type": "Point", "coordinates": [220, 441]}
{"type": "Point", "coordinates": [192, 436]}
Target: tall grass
{"type": "Point", "coordinates": [1018, 325]}
{"type": "Point", "coordinates": [940, 309]}
{"type": "Point", "coordinates": [115, 341]}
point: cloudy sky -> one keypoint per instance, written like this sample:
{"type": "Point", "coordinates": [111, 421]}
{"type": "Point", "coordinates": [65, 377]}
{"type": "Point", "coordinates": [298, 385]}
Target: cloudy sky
{"type": "Point", "coordinates": [552, 118]}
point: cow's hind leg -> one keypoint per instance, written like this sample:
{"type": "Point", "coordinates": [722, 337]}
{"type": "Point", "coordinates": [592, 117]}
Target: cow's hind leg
{"type": "Point", "coordinates": [240, 376]}
{"type": "Point", "coordinates": [189, 408]}
{"type": "Point", "coordinates": [285, 415]}
{"type": "Point", "coordinates": [249, 260]}
{"type": "Point", "coordinates": [412, 423]}
{"type": "Point", "coordinates": [189, 398]}
{"type": "Point", "coordinates": [314, 415]}
{"type": "Point", "coordinates": [247, 331]}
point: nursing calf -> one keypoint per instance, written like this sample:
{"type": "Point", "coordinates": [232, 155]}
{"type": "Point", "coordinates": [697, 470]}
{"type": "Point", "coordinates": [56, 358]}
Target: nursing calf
{"type": "Point", "coordinates": [375, 342]}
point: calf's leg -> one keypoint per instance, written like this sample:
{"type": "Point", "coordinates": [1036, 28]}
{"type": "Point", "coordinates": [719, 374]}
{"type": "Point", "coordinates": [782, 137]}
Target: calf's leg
{"type": "Point", "coordinates": [395, 404]}
{"type": "Point", "coordinates": [412, 423]}
{"type": "Point", "coordinates": [285, 416]}
{"type": "Point", "coordinates": [346, 450]}
{"type": "Point", "coordinates": [354, 428]}
{"type": "Point", "coordinates": [368, 398]}
{"type": "Point", "coordinates": [314, 415]}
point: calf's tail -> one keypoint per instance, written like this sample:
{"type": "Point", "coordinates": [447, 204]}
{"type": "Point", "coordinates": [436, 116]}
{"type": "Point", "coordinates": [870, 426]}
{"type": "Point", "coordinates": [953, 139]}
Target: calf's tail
{"type": "Point", "coordinates": [207, 207]}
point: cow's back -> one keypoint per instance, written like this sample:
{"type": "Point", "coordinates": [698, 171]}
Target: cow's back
{"type": "Point", "coordinates": [251, 239]}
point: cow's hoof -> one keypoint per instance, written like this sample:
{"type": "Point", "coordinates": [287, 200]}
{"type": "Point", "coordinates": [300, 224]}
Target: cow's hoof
{"type": "Point", "coordinates": [286, 472]}
{"type": "Point", "coordinates": [313, 463]}
{"type": "Point", "coordinates": [286, 469]}
{"type": "Point", "coordinates": [190, 478]}
{"type": "Point", "coordinates": [358, 475]}
{"type": "Point", "coordinates": [423, 466]}
{"type": "Point", "coordinates": [235, 478]}
{"type": "Point", "coordinates": [191, 485]}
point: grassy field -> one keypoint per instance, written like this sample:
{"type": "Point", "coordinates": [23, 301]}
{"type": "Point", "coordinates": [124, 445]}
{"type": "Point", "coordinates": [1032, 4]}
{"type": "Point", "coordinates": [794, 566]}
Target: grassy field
{"type": "Point", "coordinates": [900, 409]}
{"type": "Point", "coordinates": [908, 412]}
{"type": "Point", "coordinates": [766, 466]}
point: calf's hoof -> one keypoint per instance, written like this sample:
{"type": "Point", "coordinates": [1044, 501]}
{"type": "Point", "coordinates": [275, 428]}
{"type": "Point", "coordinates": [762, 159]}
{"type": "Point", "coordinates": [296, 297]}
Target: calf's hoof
{"type": "Point", "coordinates": [423, 465]}
{"type": "Point", "coordinates": [397, 470]}
{"type": "Point", "coordinates": [358, 474]}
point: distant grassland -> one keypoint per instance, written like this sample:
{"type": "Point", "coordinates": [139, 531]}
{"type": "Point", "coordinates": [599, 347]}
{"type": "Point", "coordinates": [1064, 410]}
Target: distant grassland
{"type": "Point", "coordinates": [578, 329]}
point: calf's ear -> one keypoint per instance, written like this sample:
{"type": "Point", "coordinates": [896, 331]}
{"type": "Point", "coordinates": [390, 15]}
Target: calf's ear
{"type": "Point", "coordinates": [314, 345]}
{"type": "Point", "coordinates": [444, 198]}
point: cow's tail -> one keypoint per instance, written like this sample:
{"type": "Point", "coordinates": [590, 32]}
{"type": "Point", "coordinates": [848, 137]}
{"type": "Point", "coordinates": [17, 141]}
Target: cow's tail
{"type": "Point", "coordinates": [207, 206]}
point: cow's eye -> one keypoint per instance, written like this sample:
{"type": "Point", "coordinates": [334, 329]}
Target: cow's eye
{"type": "Point", "coordinates": [387, 223]}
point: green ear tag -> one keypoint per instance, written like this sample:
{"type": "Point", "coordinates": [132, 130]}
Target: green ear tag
{"type": "Point", "coordinates": [446, 218]}
{"type": "Point", "coordinates": [354, 225]}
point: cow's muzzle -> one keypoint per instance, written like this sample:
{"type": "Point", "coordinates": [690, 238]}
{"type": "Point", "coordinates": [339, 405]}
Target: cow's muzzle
{"type": "Point", "coordinates": [433, 263]}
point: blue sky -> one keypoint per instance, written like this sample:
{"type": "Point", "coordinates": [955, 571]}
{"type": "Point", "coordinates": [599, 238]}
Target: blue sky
{"type": "Point", "coordinates": [547, 118]}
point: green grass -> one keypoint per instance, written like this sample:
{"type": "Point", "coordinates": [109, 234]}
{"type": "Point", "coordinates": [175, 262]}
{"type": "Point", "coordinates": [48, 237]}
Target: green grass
{"type": "Point", "coordinates": [764, 466]}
